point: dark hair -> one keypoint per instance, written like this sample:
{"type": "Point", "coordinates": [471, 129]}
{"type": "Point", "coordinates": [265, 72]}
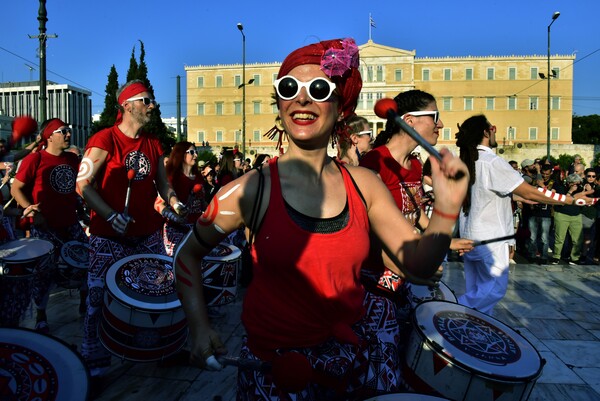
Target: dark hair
{"type": "Point", "coordinates": [260, 158]}
{"type": "Point", "coordinates": [589, 170]}
{"type": "Point", "coordinates": [470, 134]}
{"type": "Point", "coordinates": [176, 158]}
{"type": "Point", "coordinates": [227, 166]}
{"type": "Point", "coordinates": [412, 100]}
{"type": "Point", "coordinates": [548, 167]}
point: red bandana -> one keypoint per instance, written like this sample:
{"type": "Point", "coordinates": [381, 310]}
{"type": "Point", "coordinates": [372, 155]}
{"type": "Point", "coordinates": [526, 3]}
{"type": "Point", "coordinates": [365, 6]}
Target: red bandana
{"type": "Point", "coordinates": [129, 92]}
{"type": "Point", "coordinates": [49, 129]}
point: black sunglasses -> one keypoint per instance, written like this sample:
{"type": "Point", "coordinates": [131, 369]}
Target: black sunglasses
{"type": "Point", "coordinates": [318, 89]}
{"type": "Point", "coordinates": [191, 152]}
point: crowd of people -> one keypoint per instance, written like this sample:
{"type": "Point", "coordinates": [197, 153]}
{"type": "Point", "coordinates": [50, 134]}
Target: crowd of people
{"type": "Point", "coordinates": [333, 241]}
{"type": "Point", "coordinates": [560, 234]}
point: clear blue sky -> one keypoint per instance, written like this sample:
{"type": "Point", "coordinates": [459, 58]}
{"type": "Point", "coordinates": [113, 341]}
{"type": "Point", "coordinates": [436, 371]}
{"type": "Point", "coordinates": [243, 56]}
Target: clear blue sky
{"type": "Point", "coordinates": [94, 35]}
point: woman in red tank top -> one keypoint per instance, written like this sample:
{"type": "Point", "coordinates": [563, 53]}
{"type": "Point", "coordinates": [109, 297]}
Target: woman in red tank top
{"type": "Point", "coordinates": [305, 308]}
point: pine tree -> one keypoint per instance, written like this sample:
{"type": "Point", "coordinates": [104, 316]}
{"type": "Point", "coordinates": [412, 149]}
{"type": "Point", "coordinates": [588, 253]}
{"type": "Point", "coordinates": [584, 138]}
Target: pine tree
{"type": "Point", "coordinates": [109, 114]}
{"type": "Point", "coordinates": [155, 126]}
{"type": "Point", "coordinates": [132, 73]}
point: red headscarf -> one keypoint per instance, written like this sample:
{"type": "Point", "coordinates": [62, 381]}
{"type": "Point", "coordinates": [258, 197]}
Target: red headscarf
{"type": "Point", "coordinates": [49, 129]}
{"type": "Point", "coordinates": [130, 91]}
{"type": "Point", "coordinates": [339, 60]}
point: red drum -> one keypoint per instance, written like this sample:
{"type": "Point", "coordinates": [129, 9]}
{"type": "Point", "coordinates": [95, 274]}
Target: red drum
{"type": "Point", "coordinates": [421, 293]}
{"type": "Point", "coordinates": [20, 260]}
{"type": "Point", "coordinates": [460, 353]}
{"type": "Point", "coordinates": [143, 319]}
{"type": "Point", "coordinates": [220, 274]}
{"type": "Point", "coordinates": [24, 257]}
{"type": "Point", "coordinates": [72, 272]}
{"type": "Point", "coordinates": [406, 397]}
{"type": "Point", "coordinates": [35, 367]}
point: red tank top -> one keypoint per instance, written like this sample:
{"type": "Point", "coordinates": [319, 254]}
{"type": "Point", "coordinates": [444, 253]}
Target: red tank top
{"type": "Point", "coordinates": [306, 286]}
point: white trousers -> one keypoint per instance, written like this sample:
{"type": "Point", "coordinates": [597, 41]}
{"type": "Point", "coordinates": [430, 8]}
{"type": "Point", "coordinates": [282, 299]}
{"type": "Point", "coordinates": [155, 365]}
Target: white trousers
{"type": "Point", "coordinates": [486, 277]}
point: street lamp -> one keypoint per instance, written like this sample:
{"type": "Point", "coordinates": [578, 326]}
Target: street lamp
{"type": "Point", "coordinates": [241, 28]}
{"type": "Point", "coordinates": [550, 75]}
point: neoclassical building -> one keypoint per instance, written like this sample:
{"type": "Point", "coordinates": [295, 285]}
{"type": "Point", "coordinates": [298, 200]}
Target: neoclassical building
{"type": "Point", "coordinates": [509, 90]}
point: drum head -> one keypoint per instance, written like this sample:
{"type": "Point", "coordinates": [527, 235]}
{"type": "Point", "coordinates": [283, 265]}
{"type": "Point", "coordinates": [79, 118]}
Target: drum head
{"type": "Point", "coordinates": [223, 253]}
{"type": "Point", "coordinates": [76, 254]}
{"type": "Point", "coordinates": [144, 281]}
{"type": "Point", "coordinates": [38, 367]}
{"type": "Point", "coordinates": [25, 250]}
{"type": "Point", "coordinates": [477, 341]}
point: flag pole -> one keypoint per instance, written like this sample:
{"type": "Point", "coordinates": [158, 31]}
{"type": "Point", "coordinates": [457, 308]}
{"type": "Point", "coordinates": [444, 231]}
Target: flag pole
{"type": "Point", "coordinates": [370, 26]}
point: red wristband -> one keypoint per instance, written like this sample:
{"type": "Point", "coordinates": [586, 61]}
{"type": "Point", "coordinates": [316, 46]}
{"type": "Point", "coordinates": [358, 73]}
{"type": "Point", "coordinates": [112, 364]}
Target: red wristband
{"type": "Point", "coordinates": [445, 215]}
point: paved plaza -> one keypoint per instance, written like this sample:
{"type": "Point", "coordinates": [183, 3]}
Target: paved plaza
{"type": "Point", "coordinates": [557, 308]}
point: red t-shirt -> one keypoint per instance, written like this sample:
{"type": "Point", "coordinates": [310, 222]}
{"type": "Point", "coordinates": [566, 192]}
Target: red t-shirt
{"type": "Point", "coordinates": [51, 182]}
{"type": "Point", "coordinates": [306, 286]}
{"type": "Point", "coordinates": [124, 153]}
{"type": "Point", "coordinates": [184, 188]}
{"type": "Point", "coordinates": [405, 185]}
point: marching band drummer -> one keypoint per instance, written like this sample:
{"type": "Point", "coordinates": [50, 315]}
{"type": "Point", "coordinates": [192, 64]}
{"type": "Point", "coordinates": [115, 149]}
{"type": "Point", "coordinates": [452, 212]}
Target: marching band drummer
{"type": "Point", "coordinates": [44, 186]}
{"type": "Point", "coordinates": [305, 298]}
{"type": "Point", "coordinates": [104, 182]}
{"type": "Point", "coordinates": [184, 176]}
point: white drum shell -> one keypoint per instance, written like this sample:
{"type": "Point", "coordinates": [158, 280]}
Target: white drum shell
{"type": "Point", "coordinates": [458, 376]}
{"type": "Point", "coordinates": [142, 327]}
{"type": "Point", "coordinates": [422, 293]}
{"type": "Point", "coordinates": [220, 272]}
{"type": "Point", "coordinates": [66, 380]}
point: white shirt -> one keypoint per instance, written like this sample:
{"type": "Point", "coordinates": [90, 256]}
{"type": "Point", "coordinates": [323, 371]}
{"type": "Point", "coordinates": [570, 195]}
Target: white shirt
{"type": "Point", "coordinates": [490, 215]}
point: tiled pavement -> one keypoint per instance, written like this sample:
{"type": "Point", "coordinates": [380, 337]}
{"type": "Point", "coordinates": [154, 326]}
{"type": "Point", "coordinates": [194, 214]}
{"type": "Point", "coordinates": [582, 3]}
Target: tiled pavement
{"type": "Point", "coordinates": [556, 307]}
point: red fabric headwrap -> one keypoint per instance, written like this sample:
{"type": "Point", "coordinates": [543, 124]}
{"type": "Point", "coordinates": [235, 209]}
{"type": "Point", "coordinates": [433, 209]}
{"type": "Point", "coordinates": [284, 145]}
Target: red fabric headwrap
{"type": "Point", "coordinates": [346, 78]}
{"type": "Point", "coordinates": [134, 89]}
{"type": "Point", "coordinates": [52, 126]}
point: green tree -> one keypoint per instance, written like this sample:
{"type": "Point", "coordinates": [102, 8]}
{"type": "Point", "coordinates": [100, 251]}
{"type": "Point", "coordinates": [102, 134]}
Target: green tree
{"type": "Point", "coordinates": [586, 129]}
{"type": "Point", "coordinates": [155, 125]}
{"type": "Point", "coordinates": [109, 114]}
{"type": "Point", "coordinates": [132, 72]}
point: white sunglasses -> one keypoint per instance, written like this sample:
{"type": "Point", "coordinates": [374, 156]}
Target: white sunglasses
{"type": "Point", "coordinates": [434, 113]}
{"type": "Point", "coordinates": [318, 89]}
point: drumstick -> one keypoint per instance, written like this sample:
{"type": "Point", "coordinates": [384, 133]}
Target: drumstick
{"type": "Point", "coordinates": [489, 241]}
{"type": "Point", "coordinates": [130, 177]}
{"type": "Point", "coordinates": [244, 364]}
{"type": "Point", "coordinates": [388, 109]}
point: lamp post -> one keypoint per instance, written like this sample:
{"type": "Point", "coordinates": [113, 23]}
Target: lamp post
{"type": "Point", "coordinates": [241, 28]}
{"type": "Point", "coordinates": [554, 17]}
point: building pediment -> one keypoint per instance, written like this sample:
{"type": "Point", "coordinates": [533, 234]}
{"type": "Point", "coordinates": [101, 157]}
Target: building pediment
{"type": "Point", "coordinates": [372, 49]}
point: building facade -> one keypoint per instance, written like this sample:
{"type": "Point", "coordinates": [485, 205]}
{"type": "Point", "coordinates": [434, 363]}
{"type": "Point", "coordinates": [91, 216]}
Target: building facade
{"type": "Point", "coordinates": [509, 90]}
{"type": "Point", "coordinates": [71, 104]}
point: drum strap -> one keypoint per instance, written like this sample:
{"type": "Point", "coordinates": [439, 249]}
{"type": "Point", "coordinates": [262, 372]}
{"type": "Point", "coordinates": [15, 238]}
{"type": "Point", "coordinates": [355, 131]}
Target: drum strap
{"type": "Point", "coordinates": [257, 205]}
{"type": "Point", "coordinates": [376, 289]}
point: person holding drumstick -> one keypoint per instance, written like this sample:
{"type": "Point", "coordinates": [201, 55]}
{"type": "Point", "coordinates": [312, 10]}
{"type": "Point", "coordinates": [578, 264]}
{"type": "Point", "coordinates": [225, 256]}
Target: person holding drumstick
{"type": "Point", "coordinates": [119, 175]}
{"type": "Point", "coordinates": [311, 222]}
{"type": "Point", "coordinates": [394, 162]}
{"type": "Point", "coordinates": [44, 187]}
{"type": "Point", "coordinates": [184, 176]}
{"type": "Point", "coordinates": [487, 212]}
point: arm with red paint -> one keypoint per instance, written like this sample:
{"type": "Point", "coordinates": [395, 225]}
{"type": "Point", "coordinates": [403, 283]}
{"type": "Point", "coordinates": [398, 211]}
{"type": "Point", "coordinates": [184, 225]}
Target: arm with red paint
{"type": "Point", "coordinates": [92, 162]}
{"type": "Point", "coordinates": [166, 191]}
{"type": "Point", "coordinates": [228, 210]}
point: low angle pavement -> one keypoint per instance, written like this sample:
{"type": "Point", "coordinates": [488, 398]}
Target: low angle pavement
{"type": "Point", "coordinates": [555, 307]}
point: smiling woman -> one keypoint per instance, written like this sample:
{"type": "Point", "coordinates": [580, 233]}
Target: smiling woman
{"type": "Point", "coordinates": [309, 219]}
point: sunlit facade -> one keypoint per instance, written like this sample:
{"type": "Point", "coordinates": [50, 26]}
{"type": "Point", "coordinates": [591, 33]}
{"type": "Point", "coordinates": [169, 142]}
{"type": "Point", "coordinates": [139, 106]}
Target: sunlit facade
{"type": "Point", "coordinates": [507, 89]}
